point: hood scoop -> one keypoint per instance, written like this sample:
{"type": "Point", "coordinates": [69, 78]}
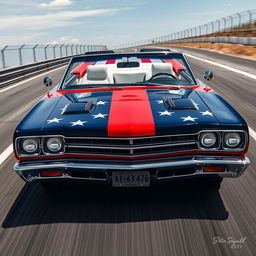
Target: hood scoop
{"type": "Point", "coordinates": [179, 104]}
{"type": "Point", "coordinates": [80, 107]}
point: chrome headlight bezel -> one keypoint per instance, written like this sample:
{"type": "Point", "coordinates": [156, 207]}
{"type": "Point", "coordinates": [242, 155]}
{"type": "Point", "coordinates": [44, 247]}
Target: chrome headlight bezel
{"type": "Point", "coordinates": [236, 135]}
{"type": "Point", "coordinates": [42, 149]}
{"type": "Point", "coordinates": [214, 135]}
{"type": "Point", "coordinates": [30, 142]}
{"type": "Point", "coordinates": [54, 140]}
{"type": "Point", "coordinates": [208, 140]}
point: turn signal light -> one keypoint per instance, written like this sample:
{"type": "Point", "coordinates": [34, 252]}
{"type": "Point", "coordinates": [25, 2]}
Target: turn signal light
{"type": "Point", "coordinates": [51, 174]}
{"type": "Point", "coordinates": [214, 169]}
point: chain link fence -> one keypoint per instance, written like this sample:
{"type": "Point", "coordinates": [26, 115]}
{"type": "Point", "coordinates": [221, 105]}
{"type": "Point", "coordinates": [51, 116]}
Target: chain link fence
{"type": "Point", "coordinates": [15, 55]}
{"type": "Point", "coordinates": [242, 24]}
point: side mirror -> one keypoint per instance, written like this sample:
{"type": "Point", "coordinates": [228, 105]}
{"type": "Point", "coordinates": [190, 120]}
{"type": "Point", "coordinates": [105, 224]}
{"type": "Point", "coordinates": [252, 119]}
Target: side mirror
{"type": "Point", "coordinates": [48, 81]}
{"type": "Point", "coordinates": [208, 75]}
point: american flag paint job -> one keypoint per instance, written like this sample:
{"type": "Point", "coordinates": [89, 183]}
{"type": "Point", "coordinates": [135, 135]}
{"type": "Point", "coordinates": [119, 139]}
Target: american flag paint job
{"type": "Point", "coordinates": [213, 112]}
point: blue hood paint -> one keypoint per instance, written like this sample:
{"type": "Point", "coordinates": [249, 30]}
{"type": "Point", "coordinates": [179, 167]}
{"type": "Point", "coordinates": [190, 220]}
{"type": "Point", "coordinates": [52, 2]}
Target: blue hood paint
{"type": "Point", "coordinates": [37, 121]}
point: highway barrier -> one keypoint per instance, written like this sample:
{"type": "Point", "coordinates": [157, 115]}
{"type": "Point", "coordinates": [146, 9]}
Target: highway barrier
{"type": "Point", "coordinates": [12, 75]}
{"type": "Point", "coordinates": [229, 29]}
{"type": "Point", "coordinates": [219, 39]}
{"type": "Point", "coordinates": [15, 74]}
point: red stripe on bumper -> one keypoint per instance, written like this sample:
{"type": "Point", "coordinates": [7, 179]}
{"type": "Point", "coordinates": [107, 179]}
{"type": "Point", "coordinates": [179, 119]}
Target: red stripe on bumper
{"type": "Point", "coordinates": [130, 114]}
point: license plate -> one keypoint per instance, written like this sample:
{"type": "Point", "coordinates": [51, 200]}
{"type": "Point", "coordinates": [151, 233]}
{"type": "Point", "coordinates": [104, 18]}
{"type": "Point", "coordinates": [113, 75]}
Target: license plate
{"type": "Point", "coordinates": [131, 179]}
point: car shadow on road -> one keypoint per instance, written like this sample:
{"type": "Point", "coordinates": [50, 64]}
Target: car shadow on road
{"type": "Point", "coordinates": [83, 203]}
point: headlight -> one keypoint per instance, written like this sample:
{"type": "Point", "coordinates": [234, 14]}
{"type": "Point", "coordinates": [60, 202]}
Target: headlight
{"type": "Point", "coordinates": [30, 145]}
{"type": "Point", "coordinates": [54, 145]}
{"type": "Point", "coordinates": [208, 140]}
{"type": "Point", "coordinates": [232, 140]}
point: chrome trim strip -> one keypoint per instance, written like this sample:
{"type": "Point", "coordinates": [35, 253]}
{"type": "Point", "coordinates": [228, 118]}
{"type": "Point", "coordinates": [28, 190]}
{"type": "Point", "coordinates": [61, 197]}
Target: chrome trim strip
{"type": "Point", "coordinates": [234, 168]}
{"type": "Point", "coordinates": [20, 167]}
{"type": "Point", "coordinates": [132, 148]}
{"type": "Point", "coordinates": [134, 138]}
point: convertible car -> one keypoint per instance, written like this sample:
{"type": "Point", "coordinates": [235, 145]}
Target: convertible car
{"type": "Point", "coordinates": [130, 120]}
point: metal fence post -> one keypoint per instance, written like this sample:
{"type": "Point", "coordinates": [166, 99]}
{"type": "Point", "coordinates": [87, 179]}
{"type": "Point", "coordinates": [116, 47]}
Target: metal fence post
{"type": "Point", "coordinates": [225, 24]}
{"type": "Point", "coordinates": [231, 23]}
{"type": "Point", "coordinates": [239, 20]}
{"type": "Point", "coordinates": [3, 57]}
{"type": "Point", "coordinates": [218, 21]}
{"type": "Point", "coordinates": [45, 52]}
{"type": "Point", "coordinates": [71, 47]}
{"type": "Point", "coordinates": [61, 54]}
{"type": "Point", "coordinates": [20, 54]}
{"type": "Point", "coordinates": [200, 30]}
{"type": "Point", "coordinates": [34, 52]}
{"type": "Point", "coordinates": [212, 27]}
{"type": "Point", "coordinates": [66, 50]}
{"type": "Point", "coordinates": [250, 19]}
{"type": "Point", "coordinates": [54, 53]}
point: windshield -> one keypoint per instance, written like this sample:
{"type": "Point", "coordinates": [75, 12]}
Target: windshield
{"type": "Point", "coordinates": [127, 70]}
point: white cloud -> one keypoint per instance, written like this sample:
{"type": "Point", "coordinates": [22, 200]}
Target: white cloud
{"type": "Point", "coordinates": [18, 39]}
{"type": "Point", "coordinates": [55, 4]}
{"type": "Point", "coordinates": [65, 40]}
{"type": "Point", "coordinates": [51, 20]}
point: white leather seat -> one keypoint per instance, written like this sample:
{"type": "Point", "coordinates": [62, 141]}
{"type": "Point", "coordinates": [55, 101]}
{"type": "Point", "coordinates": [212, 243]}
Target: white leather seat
{"type": "Point", "coordinates": [96, 74]}
{"type": "Point", "coordinates": [130, 77]}
{"type": "Point", "coordinates": [157, 68]}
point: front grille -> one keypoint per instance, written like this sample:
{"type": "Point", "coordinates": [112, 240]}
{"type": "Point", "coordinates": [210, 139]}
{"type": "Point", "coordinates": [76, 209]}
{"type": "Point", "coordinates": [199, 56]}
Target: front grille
{"type": "Point", "coordinates": [131, 147]}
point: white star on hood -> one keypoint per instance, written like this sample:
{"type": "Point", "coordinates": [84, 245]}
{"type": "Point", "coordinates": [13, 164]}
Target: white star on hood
{"type": "Point", "coordinates": [207, 113]}
{"type": "Point", "coordinates": [99, 116]}
{"type": "Point", "coordinates": [54, 120]}
{"type": "Point", "coordinates": [79, 122]}
{"type": "Point", "coordinates": [189, 118]}
{"type": "Point", "coordinates": [160, 101]}
{"type": "Point", "coordinates": [101, 102]}
{"type": "Point", "coordinates": [166, 113]}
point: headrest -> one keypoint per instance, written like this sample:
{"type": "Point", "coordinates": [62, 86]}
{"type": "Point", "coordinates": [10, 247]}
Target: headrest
{"type": "Point", "coordinates": [161, 68]}
{"type": "Point", "coordinates": [129, 77]}
{"type": "Point", "coordinates": [97, 72]}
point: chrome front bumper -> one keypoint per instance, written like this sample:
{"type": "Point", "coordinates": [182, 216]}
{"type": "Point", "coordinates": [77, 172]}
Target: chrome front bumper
{"type": "Point", "coordinates": [233, 168]}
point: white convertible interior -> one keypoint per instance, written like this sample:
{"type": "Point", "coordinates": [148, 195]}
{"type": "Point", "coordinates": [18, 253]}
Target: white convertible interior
{"type": "Point", "coordinates": [111, 74]}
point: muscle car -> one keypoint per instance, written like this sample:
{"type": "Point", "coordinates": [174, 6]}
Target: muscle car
{"type": "Point", "coordinates": [130, 120]}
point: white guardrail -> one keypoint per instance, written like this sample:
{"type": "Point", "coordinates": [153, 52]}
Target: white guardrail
{"type": "Point", "coordinates": [17, 73]}
{"type": "Point", "coordinates": [242, 22]}
{"type": "Point", "coordinates": [18, 55]}
{"type": "Point", "coordinates": [220, 39]}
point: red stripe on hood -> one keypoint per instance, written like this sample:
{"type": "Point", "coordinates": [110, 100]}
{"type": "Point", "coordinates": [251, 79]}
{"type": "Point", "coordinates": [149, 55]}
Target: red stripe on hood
{"type": "Point", "coordinates": [130, 114]}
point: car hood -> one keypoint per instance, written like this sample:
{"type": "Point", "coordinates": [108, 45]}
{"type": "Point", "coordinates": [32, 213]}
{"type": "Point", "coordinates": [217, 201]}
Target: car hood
{"type": "Point", "coordinates": [129, 113]}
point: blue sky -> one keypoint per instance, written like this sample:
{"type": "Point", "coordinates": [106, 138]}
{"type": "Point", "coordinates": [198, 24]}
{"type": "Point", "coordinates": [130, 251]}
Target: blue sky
{"type": "Point", "coordinates": [109, 22]}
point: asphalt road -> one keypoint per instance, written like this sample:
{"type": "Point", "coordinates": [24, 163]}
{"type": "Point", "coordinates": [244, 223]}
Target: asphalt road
{"type": "Point", "coordinates": [179, 218]}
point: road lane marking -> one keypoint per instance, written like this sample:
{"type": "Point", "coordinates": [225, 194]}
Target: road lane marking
{"type": "Point", "coordinates": [8, 151]}
{"type": "Point", "coordinates": [29, 79]}
{"type": "Point", "coordinates": [223, 66]}
{"type": "Point", "coordinates": [252, 133]}
{"type": "Point", "coordinates": [6, 154]}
